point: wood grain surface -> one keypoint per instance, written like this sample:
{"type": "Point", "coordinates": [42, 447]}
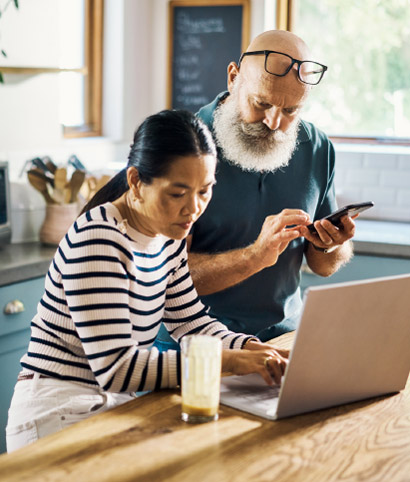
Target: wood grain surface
{"type": "Point", "coordinates": [145, 440]}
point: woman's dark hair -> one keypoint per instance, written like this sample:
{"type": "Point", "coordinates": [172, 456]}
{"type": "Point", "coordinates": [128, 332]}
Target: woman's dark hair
{"type": "Point", "coordinates": [158, 141]}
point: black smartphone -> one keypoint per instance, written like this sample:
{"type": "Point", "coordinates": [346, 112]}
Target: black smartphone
{"type": "Point", "coordinates": [350, 210]}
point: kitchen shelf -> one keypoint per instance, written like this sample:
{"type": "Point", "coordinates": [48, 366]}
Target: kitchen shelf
{"type": "Point", "coordinates": [39, 70]}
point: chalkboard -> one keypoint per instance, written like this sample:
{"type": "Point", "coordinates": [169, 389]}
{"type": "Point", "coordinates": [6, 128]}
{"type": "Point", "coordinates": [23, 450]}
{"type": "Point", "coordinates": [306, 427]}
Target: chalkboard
{"type": "Point", "coordinates": [205, 37]}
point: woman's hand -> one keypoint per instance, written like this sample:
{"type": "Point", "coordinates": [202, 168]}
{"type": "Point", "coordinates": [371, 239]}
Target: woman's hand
{"type": "Point", "coordinates": [257, 357]}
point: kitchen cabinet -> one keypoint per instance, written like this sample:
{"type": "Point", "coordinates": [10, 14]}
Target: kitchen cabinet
{"type": "Point", "coordinates": [14, 338]}
{"type": "Point", "coordinates": [360, 267]}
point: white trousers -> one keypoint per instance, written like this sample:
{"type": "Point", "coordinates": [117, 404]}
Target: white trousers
{"type": "Point", "coordinates": [42, 406]}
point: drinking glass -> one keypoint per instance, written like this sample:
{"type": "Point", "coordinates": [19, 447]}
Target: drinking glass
{"type": "Point", "coordinates": [201, 358]}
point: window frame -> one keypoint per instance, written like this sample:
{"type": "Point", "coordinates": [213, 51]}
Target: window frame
{"type": "Point", "coordinates": [93, 50]}
{"type": "Point", "coordinates": [285, 20]}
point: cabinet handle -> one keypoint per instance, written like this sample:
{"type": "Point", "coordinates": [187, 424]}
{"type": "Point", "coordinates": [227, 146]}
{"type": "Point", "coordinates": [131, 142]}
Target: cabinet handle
{"type": "Point", "coordinates": [13, 307]}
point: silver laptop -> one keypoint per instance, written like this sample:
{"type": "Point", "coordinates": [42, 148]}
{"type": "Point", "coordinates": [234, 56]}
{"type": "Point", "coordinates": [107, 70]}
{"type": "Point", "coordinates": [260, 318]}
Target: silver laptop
{"type": "Point", "coordinates": [352, 343]}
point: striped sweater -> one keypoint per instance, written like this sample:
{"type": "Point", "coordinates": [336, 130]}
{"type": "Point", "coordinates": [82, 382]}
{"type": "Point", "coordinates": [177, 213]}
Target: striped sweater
{"type": "Point", "coordinates": [107, 291]}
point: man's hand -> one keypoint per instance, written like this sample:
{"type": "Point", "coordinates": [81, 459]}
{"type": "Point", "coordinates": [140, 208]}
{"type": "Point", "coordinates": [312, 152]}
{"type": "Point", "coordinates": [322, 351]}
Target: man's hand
{"type": "Point", "coordinates": [216, 272]}
{"type": "Point", "coordinates": [328, 235]}
{"type": "Point", "coordinates": [276, 235]}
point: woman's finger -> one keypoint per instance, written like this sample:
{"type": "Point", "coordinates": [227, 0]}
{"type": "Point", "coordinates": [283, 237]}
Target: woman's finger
{"type": "Point", "coordinates": [276, 368]}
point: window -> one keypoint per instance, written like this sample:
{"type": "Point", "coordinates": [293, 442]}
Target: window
{"type": "Point", "coordinates": [81, 52]}
{"type": "Point", "coordinates": [365, 94]}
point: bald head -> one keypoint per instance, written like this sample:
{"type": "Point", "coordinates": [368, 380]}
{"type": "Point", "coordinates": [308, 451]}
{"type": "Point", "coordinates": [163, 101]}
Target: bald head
{"type": "Point", "coordinates": [253, 66]}
{"type": "Point", "coordinates": [281, 41]}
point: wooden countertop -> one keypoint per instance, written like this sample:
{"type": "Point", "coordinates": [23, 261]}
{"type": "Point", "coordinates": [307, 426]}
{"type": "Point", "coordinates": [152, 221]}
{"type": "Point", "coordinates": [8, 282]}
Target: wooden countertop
{"type": "Point", "coordinates": [145, 440]}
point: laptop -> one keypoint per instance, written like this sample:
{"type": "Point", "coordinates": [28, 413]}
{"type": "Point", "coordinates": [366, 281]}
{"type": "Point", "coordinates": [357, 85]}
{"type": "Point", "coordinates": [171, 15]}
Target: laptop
{"type": "Point", "coordinates": [352, 343]}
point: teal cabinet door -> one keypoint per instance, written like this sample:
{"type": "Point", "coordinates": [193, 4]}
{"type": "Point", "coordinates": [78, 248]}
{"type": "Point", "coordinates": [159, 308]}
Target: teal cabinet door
{"type": "Point", "coordinates": [14, 338]}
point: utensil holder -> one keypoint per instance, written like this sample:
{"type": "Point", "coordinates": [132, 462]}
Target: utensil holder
{"type": "Point", "coordinates": [57, 221]}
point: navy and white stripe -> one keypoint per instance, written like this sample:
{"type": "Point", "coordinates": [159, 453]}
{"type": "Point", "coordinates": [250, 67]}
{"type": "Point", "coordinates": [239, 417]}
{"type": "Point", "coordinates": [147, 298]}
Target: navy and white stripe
{"type": "Point", "coordinates": [107, 290]}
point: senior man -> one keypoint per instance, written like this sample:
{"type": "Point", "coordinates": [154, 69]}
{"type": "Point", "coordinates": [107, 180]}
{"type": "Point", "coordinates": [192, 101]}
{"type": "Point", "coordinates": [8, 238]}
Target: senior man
{"type": "Point", "coordinates": [275, 176]}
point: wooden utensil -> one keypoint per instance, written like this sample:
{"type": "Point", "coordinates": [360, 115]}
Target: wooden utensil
{"type": "Point", "coordinates": [41, 185]}
{"type": "Point", "coordinates": [91, 184]}
{"type": "Point", "coordinates": [67, 194]}
{"type": "Point", "coordinates": [60, 182]}
{"type": "Point", "coordinates": [50, 164]}
{"type": "Point", "coordinates": [60, 178]}
{"type": "Point", "coordinates": [76, 182]}
{"type": "Point", "coordinates": [40, 174]}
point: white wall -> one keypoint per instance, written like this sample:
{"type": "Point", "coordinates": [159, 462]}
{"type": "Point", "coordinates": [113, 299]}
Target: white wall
{"type": "Point", "coordinates": [135, 80]}
{"type": "Point", "coordinates": [29, 104]}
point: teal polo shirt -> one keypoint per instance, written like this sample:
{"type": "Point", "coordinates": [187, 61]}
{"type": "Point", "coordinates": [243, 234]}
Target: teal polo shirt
{"type": "Point", "coordinates": [268, 303]}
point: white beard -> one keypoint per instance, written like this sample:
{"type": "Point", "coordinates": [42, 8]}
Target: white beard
{"type": "Point", "coordinates": [252, 146]}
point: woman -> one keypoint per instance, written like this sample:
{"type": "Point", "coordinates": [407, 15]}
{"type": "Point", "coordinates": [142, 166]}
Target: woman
{"type": "Point", "coordinates": [118, 273]}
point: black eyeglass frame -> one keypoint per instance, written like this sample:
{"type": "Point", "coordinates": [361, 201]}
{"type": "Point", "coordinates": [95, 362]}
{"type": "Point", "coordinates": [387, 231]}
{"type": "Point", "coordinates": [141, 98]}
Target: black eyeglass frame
{"type": "Point", "coordinates": [294, 61]}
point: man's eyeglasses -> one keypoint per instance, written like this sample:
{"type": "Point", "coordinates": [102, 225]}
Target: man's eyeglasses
{"type": "Point", "coordinates": [279, 64]}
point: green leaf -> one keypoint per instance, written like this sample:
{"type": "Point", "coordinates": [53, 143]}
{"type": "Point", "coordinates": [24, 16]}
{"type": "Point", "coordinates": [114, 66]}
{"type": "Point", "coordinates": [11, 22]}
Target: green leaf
{"type": "Point", "coordinates": [1, 78]}
{"type": "Point", "coordinates": [16, 3]}
{"type": "Point", "coordinates": [3, 53]}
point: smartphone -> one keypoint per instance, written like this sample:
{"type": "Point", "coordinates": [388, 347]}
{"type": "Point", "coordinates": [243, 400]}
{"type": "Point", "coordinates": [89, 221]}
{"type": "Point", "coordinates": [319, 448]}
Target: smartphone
{"type": "Point", "coordinates": [350, 210]}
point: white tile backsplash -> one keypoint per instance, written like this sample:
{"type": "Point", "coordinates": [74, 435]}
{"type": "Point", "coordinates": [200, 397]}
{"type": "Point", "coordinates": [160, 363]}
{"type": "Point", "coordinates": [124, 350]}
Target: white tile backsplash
{"type": "Point", "coordinates": [385, 196]}
{"type": "Point", "coordinates": [349, 160]}
{"type": "Point", "coordinates": [374, 175]}
{"type": "Point", "coordinates": [404, 163]}
{"type": "Point", "coordinates": [348, 194]}
{"type": "Point", "coordinates": [381, 175]}
{"type": "Point", "coordinates": [395, 179]}
{"type": "Point", "coordinates": [403, 198]}
{"type": "Point", "coordinates": [27, 212]}
{"type": "Point", "coordinates": [363, 177]}
{"type": "Point", "coordinates": [340, 175]}
{"type": "Point", "coordinates": [380, 161]}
